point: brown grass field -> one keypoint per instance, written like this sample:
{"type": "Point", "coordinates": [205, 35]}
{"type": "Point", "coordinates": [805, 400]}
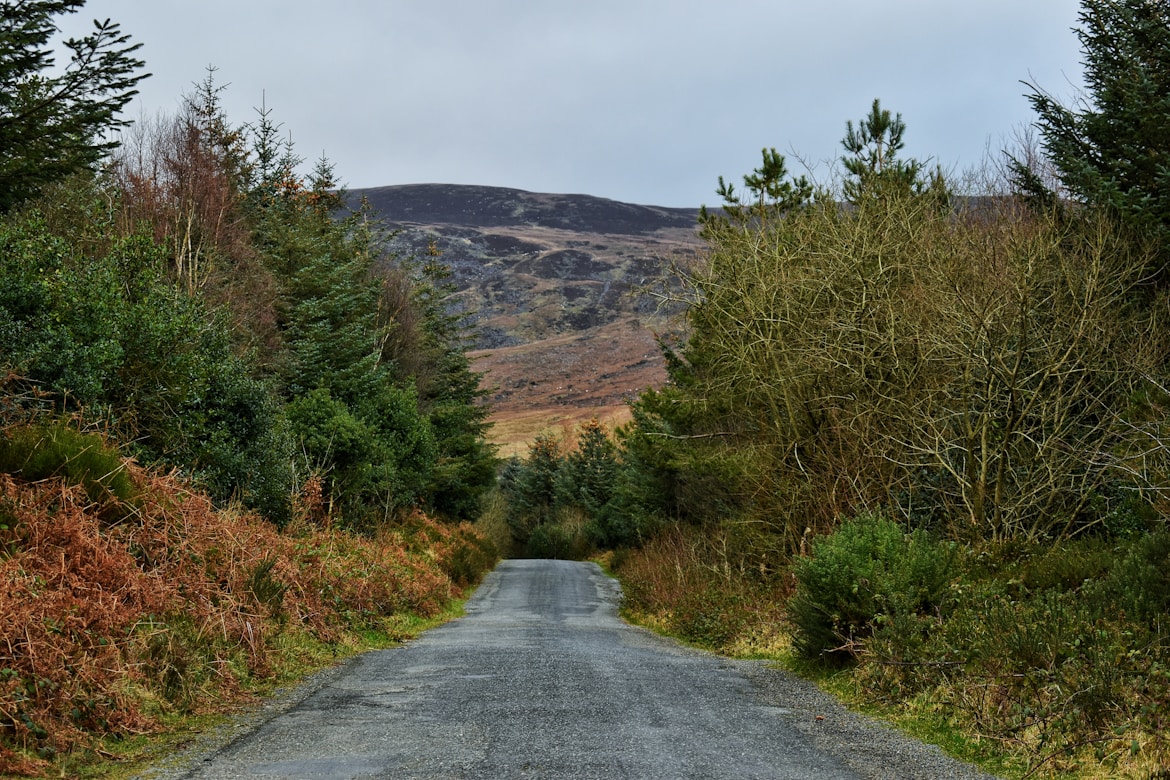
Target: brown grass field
{"type": "Point", "coordinates": [558, 383]}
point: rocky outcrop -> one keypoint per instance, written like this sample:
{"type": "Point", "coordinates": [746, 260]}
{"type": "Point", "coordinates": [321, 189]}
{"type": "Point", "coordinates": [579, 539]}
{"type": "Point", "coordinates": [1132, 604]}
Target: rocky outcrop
{"type": "Point", "coordinates": [535, 265]}
{"type": "Point", "coordinates": [552, 281]}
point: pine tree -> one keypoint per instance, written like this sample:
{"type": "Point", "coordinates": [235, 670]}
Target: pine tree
{"type": "Point", "coordinates": [872, 162]}
{"type": "Point", "coordinates": [588, 476]}
{"type": "Point", "coordinates": [1113, 150]}
{"type": "Point", "coordinates": [451, 394]}
{"type": "Point", "coordinates": [770, 191]}
{"type": "Point", "coordinates": [54, 126]}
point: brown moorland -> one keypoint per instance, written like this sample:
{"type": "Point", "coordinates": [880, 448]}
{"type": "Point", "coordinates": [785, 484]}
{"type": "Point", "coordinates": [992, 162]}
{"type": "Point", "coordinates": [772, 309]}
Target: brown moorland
{"type": "Point", "coordinates": [563, 332]}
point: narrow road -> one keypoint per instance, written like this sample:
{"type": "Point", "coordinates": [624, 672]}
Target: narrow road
{"type": "Point", "coordinates": [542, 680]}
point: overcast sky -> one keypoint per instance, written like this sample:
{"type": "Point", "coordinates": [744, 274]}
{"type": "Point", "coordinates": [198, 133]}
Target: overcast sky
{"type": "Point", "coordinates": [645, 101]}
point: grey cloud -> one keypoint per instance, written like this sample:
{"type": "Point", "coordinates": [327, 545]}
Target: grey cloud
{"type": "Point", "coordinates": [641, 100]}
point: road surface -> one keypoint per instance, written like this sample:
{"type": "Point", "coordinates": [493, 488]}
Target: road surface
{"type": "Point", "coordinates": [541, 679]}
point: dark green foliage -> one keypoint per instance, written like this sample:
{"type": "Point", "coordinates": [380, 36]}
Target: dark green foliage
{"type": "Point", "coordinates": [771, 192]}
{"type": "Point", "coordinates": [872, 161]}
{"type": "Point", "coordinates": [551, 494]}
{"type": "Point", "coordinates": [451, 396]}
{"type": "Point", "coordinates": [653, 476]}
{"type": "Point", "coordinates": [405, 427]}
{"type": "Point", "coordinates": [252, 341]}
{"type": "Point", "coordinates": [55, 312]}
{"type": "Point", "coordinates": [105, 334]}
{"type": "Point", "coordinates": [344, 448]}
{"type": "Point", "coordinates": [676, 463]}
{"type": "Point", "coordinates": [408, 438]}
{"type": "Point", "coordinates": [55, 125]}
{"type": "Point", "coordinates": [1060, 567]}
{"type": "Point", "coordinates": [330, 433]}
{"type": "Point", "coordinates": [552, 540]}
{"type": "Point", "coordinates": [1138, 584]}
{"type": "Point", "coordinates": [1113, 148]}
{"type": "Point", "coordinates": [590, 494]}
{"type": "Point", "coordinates": [244, 447]}
{"type": "Point", "coordinates": [588, 475]}
{"type": "Point", "coordinates": [375, 458]}
{"type": "Point", "coordinates": [613, 485]}
{"type": "Point", "coordinates": [466, 463]}
{"type": "Point", "coordinates": [874, 169]}
{"type": "Point", "coordinates": [38, 452]}
{"type": "Point", "coordinates": [866, 573]}
{"type": "Point", "coordinates": [1052, 645]}
{"type": "Point", "coordinates": [332, 303]}
{"type": "Point", "coordinates": [529, 486]}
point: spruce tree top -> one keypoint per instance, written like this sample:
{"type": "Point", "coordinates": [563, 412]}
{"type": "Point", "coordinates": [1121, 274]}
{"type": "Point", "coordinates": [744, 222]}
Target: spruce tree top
{"type": "Point", "coordinates": [52, 127]}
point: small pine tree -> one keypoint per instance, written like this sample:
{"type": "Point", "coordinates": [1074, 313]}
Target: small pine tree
{"type": "Point", "coordinates": [588, 475]}
{"type": "Point", "coordinates": [1113, 150]}
{"type": "Point", "coordinates": [872, 161]}
{"type": "Point", "coordinates": [530, 486]}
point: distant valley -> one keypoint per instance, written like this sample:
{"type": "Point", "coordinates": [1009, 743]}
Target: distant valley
{"type": "Point", "coordinates": [562, 332]}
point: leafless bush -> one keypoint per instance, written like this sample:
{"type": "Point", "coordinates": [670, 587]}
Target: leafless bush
{"type": "Point", "coordinates": [181, 178]}
{"type": "Point", "coordinates": [972, 368]}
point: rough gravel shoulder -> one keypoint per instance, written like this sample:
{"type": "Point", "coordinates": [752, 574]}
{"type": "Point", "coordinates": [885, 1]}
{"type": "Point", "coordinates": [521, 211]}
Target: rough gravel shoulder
{"type": "Point", "coordinates": [873, 749]}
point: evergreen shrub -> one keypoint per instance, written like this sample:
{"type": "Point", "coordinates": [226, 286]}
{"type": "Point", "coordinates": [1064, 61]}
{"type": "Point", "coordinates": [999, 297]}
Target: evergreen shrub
{"type": "Point", "coordinates": [867, 573]}
{"type": "Point", "coordinates": [1138, 584]}
{"type": "Point", "coordinates": [34, 453]}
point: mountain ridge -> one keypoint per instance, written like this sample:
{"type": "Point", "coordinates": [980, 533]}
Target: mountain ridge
{"type": "Point", "coordinates": [561, 331]}
{"type": "Point", "coordinates": [487, 207]}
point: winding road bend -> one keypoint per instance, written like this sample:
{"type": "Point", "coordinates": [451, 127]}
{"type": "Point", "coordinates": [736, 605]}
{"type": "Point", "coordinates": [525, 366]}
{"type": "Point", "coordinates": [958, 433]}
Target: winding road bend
{"type": "Point", "coordinates": [541, 679]}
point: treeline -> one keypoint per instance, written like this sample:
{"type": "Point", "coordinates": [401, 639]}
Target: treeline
{"type": "Point", "coordinates": [238, 438]}
{"type": "Point", "coordinates": [918, 426]}
{"type": "Point", "coordinates": [229, 317]}
{"type": "Point", "coordinates": [984, 358]}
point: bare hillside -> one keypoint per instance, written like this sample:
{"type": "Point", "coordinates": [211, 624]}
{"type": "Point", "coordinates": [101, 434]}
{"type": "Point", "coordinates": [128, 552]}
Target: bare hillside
{"type": "Point", "coordinates": [562, 332]}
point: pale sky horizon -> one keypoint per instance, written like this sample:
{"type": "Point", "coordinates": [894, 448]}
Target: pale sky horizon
{"type": "Point", "coordinates": [643, 101]}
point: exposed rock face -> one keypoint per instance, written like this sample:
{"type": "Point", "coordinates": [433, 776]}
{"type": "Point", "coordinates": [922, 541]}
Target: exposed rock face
{"type": "Point", "coordinates": [552, 280]}
{"type": "Point", "coordinates": [535, 265]}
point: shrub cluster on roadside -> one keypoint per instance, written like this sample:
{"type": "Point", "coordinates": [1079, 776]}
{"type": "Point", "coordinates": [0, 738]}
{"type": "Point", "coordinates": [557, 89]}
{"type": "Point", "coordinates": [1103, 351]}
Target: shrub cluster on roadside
{"type": "Point", "coordinates": [868, 575]}
{"type": "Point", "coordinates": [926, 415]}
{"type": "Point", "coordinates": [1058, 652]}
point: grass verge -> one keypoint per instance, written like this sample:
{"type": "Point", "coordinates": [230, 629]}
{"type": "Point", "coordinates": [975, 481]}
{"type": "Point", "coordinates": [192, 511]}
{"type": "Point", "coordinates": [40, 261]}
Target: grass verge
{"type": "Point", "coordinates": [1044, 661]}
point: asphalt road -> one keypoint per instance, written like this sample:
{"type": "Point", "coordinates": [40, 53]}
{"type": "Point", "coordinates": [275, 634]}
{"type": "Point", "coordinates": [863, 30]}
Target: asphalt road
{"type": "Point", "coordinates": [542, 680]}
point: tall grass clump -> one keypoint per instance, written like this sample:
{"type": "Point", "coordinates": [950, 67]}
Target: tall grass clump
{"type": "Point", "coordinates": [680, 583]}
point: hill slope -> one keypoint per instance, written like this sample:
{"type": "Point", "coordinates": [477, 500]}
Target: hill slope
{"type": "Point", "coordinates": [562, 333]}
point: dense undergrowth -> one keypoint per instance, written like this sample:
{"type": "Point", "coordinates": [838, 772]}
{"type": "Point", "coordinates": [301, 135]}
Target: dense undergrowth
{"type": "Point", "coordinates": [122, 607]}
{"type": "Point", "coordinates": [1034, 659]}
